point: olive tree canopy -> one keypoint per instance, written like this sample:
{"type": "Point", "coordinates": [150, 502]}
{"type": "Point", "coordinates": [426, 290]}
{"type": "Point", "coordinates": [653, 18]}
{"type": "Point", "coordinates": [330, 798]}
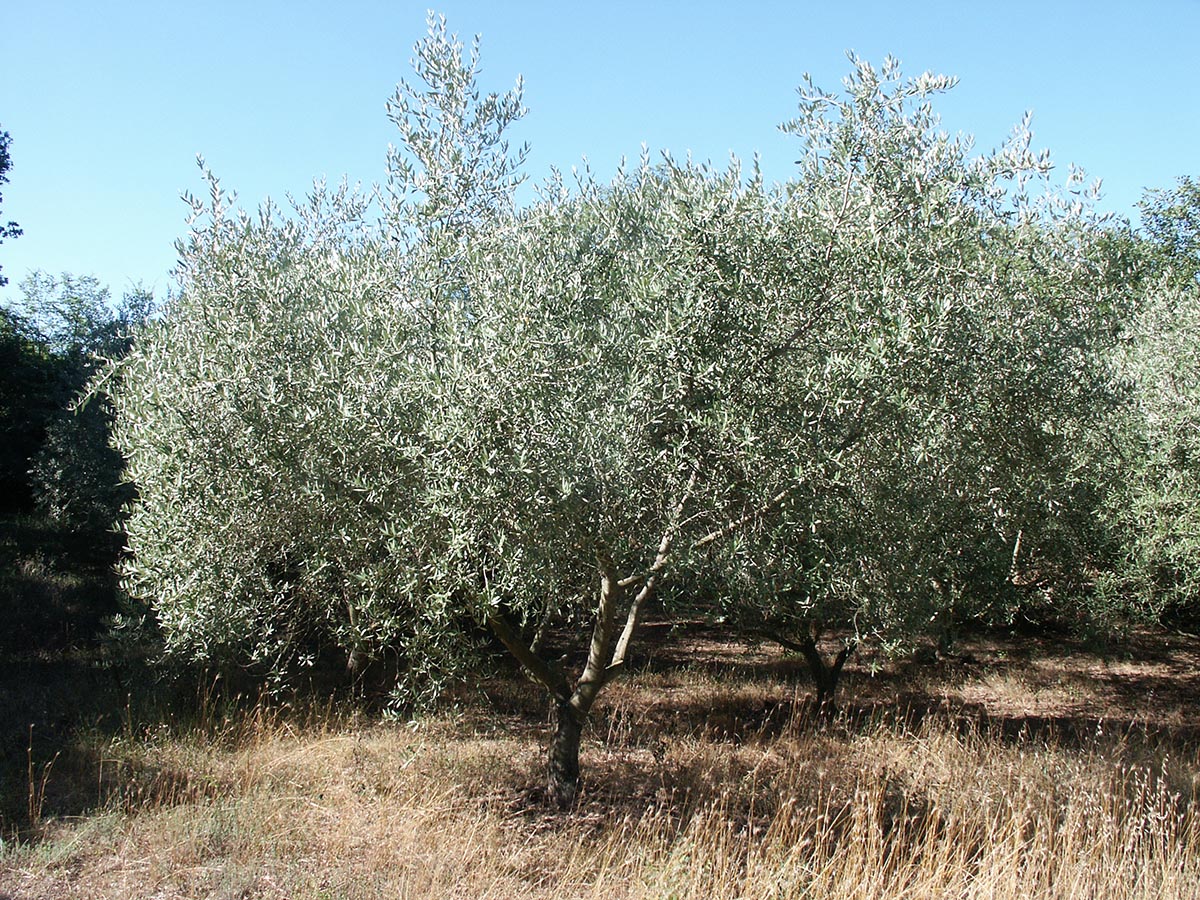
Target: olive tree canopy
{"type": "Point", "coordinates": [382, 436]}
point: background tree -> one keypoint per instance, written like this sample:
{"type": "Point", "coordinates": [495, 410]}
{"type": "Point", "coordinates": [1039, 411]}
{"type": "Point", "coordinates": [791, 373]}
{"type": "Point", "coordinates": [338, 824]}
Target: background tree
{"type": "Point", "coordinates": [1151, 443]}
{"type": "Point", "coordinates": [11, 229]}
{"type": "Point", "coordinates": [71, 314]}
{"type": "Point", "coordinates": [28, 397]}
{"type": "Point", "coordinates": [58, 334]}
{"type": "Point", "coordinates": [1171, 221]}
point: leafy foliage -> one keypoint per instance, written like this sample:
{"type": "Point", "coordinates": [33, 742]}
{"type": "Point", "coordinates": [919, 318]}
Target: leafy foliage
{"type": "Point", "coordinates": [1171, 219]}
{"type": "Point", "coordinates": [274, 418]}
{"type": "Point", "coordinates": [854, 399]}
{"type": "Point", "coordinates": [1153, 499]}
{"type": "Point", "coordinates": [961, 330]}
{"type": "Point", "coordinates": [11, 229]}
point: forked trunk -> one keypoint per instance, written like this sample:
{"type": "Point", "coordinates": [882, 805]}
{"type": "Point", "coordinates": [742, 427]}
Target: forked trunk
{"type": "Point", "coordinates": [563, 782]}
{"type": "Point", "coordinates": [570, 706]}
{"type": "Point", "coordinates": [825, 676]}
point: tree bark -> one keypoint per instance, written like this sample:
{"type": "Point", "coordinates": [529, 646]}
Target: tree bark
{"type": "Point", "coordinates": [356, 658]}
{"type": "Point", "coordinates": [563, 781]}
{"type": "Point", "coordinates": [825, 676]}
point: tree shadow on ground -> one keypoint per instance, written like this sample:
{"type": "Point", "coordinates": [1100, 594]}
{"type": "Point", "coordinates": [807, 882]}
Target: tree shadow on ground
{"type": "Point", "coordinates": [693, 686]}
{"type": "Point", "coordinates": [689, 685]}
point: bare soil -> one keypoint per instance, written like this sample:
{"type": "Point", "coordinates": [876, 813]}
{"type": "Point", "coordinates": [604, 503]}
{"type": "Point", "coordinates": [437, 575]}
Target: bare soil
{"type": "Point", "coordinates": [1146, 682]}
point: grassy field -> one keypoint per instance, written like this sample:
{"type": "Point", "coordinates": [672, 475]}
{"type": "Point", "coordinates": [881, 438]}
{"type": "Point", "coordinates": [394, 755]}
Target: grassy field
{"type": "Point", "coordinates": [1022, 769]}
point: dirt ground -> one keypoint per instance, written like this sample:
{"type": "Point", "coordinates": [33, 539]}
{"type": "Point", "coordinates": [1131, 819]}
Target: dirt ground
{"type": "Point", "coordinates": [704, 722]}
{"type": "Point", "coordinates": [1147, 680]}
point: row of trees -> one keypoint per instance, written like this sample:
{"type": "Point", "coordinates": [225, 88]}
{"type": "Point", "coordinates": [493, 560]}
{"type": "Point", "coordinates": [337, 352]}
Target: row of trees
{"type": "Point", "coordinates": [56, 455]}
{"type": "Point", "coordinates": [906, 388]}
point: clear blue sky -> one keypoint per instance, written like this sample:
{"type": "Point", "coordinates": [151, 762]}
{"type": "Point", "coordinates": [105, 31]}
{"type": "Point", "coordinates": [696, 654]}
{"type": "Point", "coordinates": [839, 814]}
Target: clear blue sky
{"type": "Point", "coordinates": [109, 103]}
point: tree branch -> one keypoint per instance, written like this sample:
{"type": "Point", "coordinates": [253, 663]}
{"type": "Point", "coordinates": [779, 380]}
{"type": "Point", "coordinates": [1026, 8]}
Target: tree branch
{"type": "Point", "coordinates": [595, 673]}
{"type": "Point", "coordinates": [546, 674]}
{"type": "Point", "coordinates": [785, 643]}
{"type": "Point", "coordinates": [729, 527]}
{"type": "Point", "coordinates": [660, 561]}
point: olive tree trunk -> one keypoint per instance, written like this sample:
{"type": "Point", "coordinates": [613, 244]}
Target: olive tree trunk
{"type": "Point", "coordinates": [825, 675]}
{"type": "Point", "coordinates": [562, 782]}
{"type": "Point", "coordinates": [606, 652]}
{"type": "Point", "coordinates": [572, 705]}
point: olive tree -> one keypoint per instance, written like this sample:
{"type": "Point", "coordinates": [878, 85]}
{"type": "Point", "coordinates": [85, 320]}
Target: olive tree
{"type": "Point", "coordinates": [968, 319]}
{"type": "Point", "coordinates": [602, 417]}
{"type": "Point", "coordinates": [379, 437]}
{"type": "Point", "coordinates": [273, 416]}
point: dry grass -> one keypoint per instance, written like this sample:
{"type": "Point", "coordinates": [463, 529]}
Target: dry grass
{"type": "Point", "coordinates": [700, 784]}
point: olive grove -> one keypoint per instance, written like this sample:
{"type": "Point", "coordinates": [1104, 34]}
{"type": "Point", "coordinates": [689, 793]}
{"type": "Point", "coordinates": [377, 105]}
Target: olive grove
{"type": "Point", "coordinates": [850, 400]}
